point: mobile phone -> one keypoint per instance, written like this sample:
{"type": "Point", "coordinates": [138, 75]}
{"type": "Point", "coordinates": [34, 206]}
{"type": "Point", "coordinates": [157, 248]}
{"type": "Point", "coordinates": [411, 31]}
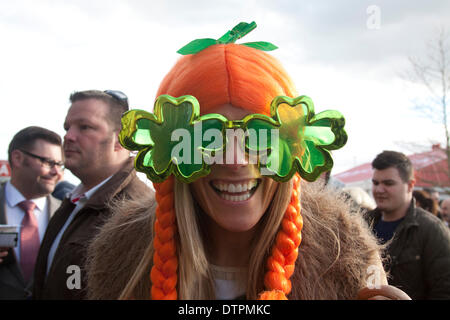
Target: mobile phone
{"type": "Point", "coordinates": [9, 235]}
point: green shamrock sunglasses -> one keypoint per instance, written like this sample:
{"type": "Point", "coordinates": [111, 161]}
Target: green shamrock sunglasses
{"type": "Point", "coordinates": [176, 140]}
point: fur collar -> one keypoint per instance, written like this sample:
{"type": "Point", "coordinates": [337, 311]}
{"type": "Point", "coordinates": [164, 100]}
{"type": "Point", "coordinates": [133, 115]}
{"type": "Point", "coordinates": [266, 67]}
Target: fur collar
{"type": "Point", "coordinates": [335, 254]}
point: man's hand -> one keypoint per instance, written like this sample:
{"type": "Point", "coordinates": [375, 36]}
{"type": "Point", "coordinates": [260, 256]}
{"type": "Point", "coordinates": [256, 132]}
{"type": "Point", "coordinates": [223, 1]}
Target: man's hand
{"type": "Point", "coordinates": [385, 292]}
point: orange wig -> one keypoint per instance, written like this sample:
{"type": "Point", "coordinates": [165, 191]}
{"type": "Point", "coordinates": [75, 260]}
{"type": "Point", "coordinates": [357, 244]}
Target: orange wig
{"type": "Point", "coordinates": [241, 76]}
{"type": "Point", "coordinates": [247, 78]}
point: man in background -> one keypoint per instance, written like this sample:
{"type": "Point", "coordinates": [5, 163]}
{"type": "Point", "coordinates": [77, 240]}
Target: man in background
{"type": "Point", "coordinates": [418, 243]}
{"type": "Point", "coordinates": [93, 154]}
{"type": "Point", "coordinates": [445, 211]}
{"type": "Point", "coordinates": [433, 193]}
{"type": "Point", "coordinates": [34, 155]}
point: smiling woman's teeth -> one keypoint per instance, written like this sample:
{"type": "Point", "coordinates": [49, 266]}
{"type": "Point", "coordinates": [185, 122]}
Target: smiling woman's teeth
{"type": "Point", "coordinates": [235, 187]}
{"type": "Point", "coordinates": [235, 198]}
{"type": "Point", "coordinates": [226, 190]}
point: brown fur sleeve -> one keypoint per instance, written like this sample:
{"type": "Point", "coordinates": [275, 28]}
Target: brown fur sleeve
{"type": "Point", "coordinates": [337, 248]}
{"type": "Point", "coordinates": [118, 248]}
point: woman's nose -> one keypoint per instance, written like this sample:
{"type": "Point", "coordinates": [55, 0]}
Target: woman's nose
{"type": "Point", "coordinates": [235, 155]}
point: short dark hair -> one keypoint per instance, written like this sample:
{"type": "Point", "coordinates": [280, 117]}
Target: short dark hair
{"type": "Point", "coordinates": [116, 106]}
{"type": "Point", "coordinates": [26, 138]}
{"type": "Point", "coordinates": [394, 159]}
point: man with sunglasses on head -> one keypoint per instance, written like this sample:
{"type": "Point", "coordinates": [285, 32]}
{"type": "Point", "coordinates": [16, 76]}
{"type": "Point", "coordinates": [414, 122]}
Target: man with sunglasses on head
{"type": "Point", "coordinates": [34, 155]}
{"type": "Point", "coordinates": [93, 154]}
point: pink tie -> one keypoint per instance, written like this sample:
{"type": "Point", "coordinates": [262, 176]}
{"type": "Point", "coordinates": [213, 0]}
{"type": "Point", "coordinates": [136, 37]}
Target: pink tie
{"type": "Point", "coordinates": [29, 239]}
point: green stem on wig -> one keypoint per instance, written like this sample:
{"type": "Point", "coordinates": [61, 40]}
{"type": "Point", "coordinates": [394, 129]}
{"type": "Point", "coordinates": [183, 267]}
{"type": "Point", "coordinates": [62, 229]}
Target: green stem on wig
{"type": "Point", "coordinates": [239, 31]}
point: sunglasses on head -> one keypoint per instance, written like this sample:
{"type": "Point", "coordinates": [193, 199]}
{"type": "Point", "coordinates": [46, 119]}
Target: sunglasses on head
{"type": "Point", "coordinates": [118, 95]}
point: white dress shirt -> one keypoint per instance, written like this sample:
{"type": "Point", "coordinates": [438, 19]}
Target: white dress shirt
{"type": "Point", "coordinates": [14, 214]}
{"type": "Point", "coordinates": [83, 198]}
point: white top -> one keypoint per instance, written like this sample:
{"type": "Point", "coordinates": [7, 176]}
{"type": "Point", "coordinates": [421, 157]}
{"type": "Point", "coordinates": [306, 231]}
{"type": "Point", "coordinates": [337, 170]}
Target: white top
{"type": "Point", "coordinates": [79, 204]}
{"type": "Point", "coordinates": [14, 214]}
{"type": "Point", "coordinates": [230, 282]}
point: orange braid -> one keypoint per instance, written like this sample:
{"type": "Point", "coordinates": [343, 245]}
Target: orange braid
{"type": "Point", "coordinates": [165, 261]}
{"type": "Point", "coordinates": [281, 262]}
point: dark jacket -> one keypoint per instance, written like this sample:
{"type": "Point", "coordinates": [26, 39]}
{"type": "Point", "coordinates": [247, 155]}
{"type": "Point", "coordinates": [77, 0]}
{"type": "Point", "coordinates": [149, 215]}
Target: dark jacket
{"type": "Point", "coordinates": [12, 283]}
{"type": "Point", "coordinates": [71, 252]}
{"type": "Point", "coordinates": [418, 255]}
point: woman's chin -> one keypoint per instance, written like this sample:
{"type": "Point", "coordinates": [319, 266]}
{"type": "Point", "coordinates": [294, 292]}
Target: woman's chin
{"type": "Point", "coordinates": [236, 225]}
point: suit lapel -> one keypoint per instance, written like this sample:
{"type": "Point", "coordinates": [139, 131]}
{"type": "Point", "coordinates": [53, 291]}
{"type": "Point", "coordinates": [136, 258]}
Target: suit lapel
{"type": "Point", "coordinates": [52, 204]}
{"type": "Point", "coordinates": [54, 226]}
{"type": "Point", "coordinates": [2, 205]}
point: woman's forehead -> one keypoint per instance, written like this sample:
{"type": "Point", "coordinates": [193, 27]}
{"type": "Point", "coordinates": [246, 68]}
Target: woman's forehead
{"type": "Point", "coordinates": [230, 112]}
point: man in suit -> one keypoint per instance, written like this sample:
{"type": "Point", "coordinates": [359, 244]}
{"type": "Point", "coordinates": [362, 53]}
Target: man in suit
{"type": "Point", "coordinates": [35, 157]}
{"type": "Point", "coordinates": [93, 154]}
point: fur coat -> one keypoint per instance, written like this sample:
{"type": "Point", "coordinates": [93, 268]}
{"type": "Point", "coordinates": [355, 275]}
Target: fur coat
{"type": "Point", "coordinates": [336, 256]}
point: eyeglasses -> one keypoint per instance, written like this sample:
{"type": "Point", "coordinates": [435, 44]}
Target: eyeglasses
{"type": "Point", "coordinates": [48, 163]}
{"type": "Point", "coordinates": [118, 95]}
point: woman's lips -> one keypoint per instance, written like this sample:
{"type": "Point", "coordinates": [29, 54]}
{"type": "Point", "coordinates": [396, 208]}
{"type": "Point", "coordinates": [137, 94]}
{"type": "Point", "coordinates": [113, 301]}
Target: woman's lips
{"type": "Point", "coordinates": [235, 191]}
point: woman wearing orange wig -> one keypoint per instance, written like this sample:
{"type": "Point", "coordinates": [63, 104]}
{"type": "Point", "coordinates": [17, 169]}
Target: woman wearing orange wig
{"type": "Point", "coordinates": [233, 232]}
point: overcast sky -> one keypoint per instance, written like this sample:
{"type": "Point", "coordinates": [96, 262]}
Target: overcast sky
{"type": "Point", "coordinates": [338, 52]}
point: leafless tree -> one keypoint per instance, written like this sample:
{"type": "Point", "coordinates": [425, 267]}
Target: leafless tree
{"type": "Point", "coordinates": [433, 72]}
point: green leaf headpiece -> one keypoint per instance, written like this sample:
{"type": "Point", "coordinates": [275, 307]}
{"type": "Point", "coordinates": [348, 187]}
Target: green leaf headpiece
{"type": "Point", "coordinates": [231, 36]}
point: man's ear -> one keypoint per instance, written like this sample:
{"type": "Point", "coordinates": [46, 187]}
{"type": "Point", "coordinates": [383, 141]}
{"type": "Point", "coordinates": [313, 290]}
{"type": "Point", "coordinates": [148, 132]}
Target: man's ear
{"type": "Point", "coordinates": [16, 158]}
{"type": "Point", "coordinates": [117, 145]}
{"type": "Point", "coordinates": [411, 185]}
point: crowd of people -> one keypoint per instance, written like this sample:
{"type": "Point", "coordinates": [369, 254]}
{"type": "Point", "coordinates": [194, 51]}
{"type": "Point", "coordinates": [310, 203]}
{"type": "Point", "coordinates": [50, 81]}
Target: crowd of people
{"type": "Point", "coordinates": [230, 233]}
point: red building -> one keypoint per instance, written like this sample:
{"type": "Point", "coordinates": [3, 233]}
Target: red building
{"type": "Point", "coordinates": [5, 170]}
{"type": "Point", "coordinates": [430, 170]}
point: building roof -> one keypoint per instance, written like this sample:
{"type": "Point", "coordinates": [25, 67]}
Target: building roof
{"type": "Point", "coordinates": [430, 169]}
